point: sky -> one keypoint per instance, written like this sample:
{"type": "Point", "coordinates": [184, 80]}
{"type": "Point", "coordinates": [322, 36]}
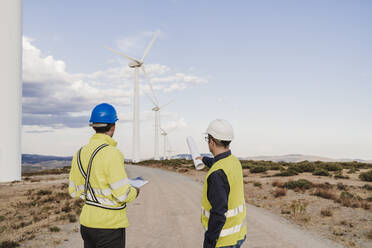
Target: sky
{"type": "Point", "coordinates": [292, 77]}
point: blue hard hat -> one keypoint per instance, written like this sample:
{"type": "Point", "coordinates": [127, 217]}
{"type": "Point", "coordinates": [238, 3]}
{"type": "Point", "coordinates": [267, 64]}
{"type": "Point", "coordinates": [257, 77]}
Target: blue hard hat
{"type": "Point", "coordinates": [103, 113]}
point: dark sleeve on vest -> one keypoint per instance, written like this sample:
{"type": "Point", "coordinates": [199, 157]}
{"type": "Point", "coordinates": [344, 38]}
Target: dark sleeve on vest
{"type": "Point", "coordinates": [208, 161]}
{"type": "Point", "coordinates": [218, 195]}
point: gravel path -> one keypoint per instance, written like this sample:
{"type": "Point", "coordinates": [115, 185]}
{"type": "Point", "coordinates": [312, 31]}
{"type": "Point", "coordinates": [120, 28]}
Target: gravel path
{"type": "Point", "coordinates": [167, 214]}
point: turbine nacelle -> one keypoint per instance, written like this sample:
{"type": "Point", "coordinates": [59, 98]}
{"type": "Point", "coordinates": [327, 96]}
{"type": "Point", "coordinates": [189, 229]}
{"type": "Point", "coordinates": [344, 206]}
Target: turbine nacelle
{"type": "Point", "coordinates": [156, 108]}
{"type": "Point", "coordinates": [135, 64]}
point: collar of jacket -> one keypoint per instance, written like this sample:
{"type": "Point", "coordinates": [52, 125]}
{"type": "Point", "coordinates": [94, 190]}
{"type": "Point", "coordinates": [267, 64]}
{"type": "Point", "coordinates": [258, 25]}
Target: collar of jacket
{"type": "Point", "coordinates": [222, 156]}
{"type": "Point", "coordinates": [104, 138]}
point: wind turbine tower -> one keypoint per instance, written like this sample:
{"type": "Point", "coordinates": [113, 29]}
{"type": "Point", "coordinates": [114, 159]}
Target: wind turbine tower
{"type": "Point", "coordinates": [156, 110]}
{"type": "Point", "coordinates": [136, 64]}
{"type": "Point", "coordinates": [10, 89]}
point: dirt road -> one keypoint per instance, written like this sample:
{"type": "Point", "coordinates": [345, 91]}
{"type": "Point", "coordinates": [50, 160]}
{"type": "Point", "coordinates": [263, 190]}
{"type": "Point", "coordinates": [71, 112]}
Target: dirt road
{"type": "Point", "coordinates": [167, 214]}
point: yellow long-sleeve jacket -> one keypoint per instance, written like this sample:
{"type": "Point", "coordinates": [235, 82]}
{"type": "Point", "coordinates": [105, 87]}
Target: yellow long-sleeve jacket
{"type": "Point", "coordinates": [108, 190]}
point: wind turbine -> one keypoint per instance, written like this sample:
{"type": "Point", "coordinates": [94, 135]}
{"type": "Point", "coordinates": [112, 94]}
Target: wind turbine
{"type": "Point", "coordinates": [166, 141]}
{"type": "Point", "coordinates": [136, 64]}
{"type": "Point", "coordinates": [156, 110]}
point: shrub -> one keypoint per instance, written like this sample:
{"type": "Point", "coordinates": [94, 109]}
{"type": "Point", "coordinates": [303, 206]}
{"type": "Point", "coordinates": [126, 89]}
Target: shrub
{"type": "Point", "coordinates": [365, 205]}
{"type": "Point", "coordinates": [286, 173]}
{"type": "Point", "coordinates": [331, 166]}
{"type": "Point", "coordinates": [346, 199]}
{"type": "Point", "coordinates": [295, 168]}
{"type": "Point", "coordinates": [325, 185]}
{"type": "Point", "coordinates": [369, 234]}
{"type": "Point", "coordinates": [278, 184]}
{"type": "Point", "coordinates": [66, 208]}
{"type": "Point", "coordinates": [326, 212]}
{"type": "Point", "coordinates": [307, 167]}
{"type": "Point", "coordinates": [2, 218]}
{"type": "Point", "coordinates": [258, 169]}
{"type": "Point", "coordinates": [324, 193]}
{"type": "Point", "coordinates": [72, 218]}
{"type": "Point", "coordinates": [280, 192]}
{"type": "Point", "coordinates": [54, 229]}
{"type": "Point", "coordinates": [257, 184]}
{"type": "Point", "coordinates": [338, 174]}
{"type": "Point", "coordinates": [275, 167]}
{"type": "Point", "coordinates": [300, 184]}
{"type": "Point", "coordinates": [367, 186]}
{"type": "Point", "coordinates": [44, 192]}
{"type": "Point", "coordinates": [366, 176]}
{"type": "Point", "coordinates": [321, 172]}
{"type": "Point", "coordinates": [352, 170]}
{"type": "Point", "coordinates": [9, 244]}
{"type": "Point", "coordinates": [341, 186]}
{"type": "Point", "coordinates": [298, 207]}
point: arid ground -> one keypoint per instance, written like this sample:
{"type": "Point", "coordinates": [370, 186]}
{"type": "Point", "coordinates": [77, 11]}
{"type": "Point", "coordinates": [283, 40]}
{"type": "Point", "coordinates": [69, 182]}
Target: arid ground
{"type": "Point", "coordinates": [38, 212]}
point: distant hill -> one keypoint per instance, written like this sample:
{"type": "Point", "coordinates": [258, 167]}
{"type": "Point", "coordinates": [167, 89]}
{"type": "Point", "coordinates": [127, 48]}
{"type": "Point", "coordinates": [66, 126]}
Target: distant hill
{"type": "Point", "coordinates": [188, 156]}
{"type": "Point", "coordinates": [34, 158]}
{"type": "Point", "coordinates": [34, 162]}
{"type": "Point", "coordinates": [293, 158]}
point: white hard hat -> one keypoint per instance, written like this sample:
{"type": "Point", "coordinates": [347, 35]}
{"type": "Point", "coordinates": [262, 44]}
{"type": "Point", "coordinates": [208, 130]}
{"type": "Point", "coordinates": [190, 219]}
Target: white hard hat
{"type": "Point", "coordinates": [221, 130]}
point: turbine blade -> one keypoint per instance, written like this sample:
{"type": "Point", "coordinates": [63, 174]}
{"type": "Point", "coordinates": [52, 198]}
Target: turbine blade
{"type": "Point", "coordinates": [150, 45]}
{"type": "Point", "coordinates": [152, 90]}
{"type": "Point", "coordinates": [166, 104]}
{"type": "Point", "coordinates": [152, 100]}
{"type": "Point", "coordinates": [122, 54]}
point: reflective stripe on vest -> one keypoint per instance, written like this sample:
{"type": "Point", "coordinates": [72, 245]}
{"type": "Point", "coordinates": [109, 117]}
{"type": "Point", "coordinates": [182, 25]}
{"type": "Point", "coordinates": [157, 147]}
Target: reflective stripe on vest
{"type": "Point", "coordinates": [90, 197]}
{"type": "Point", "coordinates": [232, 230]}
{"type": "Point", "coordinates": [228, 214]}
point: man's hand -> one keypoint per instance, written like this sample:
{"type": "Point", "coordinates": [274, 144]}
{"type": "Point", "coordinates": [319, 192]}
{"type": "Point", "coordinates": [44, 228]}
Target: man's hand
{"type": "Point", "coordinates": [200, 158]}
{"type": "Point", "coordinates": [138, 191]}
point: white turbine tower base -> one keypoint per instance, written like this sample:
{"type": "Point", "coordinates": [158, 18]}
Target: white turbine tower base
{"type": "Point", "coordinates": [10, 89]}
{"type": "Point", "coordinates": [136, 64]}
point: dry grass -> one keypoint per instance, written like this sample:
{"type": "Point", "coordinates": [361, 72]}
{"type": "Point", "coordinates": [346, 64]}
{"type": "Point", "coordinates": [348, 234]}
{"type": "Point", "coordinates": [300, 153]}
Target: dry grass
{"type": "Point", "coordinates": [326, 212]}
{"type": "Point", "coordinates": [324, 193]}
{"type": "Point", "coordinates": [279, 192]}
{"type": "Point", "coordinates": [34, 208]}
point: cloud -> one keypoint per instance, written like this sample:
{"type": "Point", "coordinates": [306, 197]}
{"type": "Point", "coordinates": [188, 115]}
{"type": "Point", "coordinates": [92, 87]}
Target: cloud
{"type": "Point", "coordinates": [135, 45]}
{"type": "Point", "coordinates": [53, 97]}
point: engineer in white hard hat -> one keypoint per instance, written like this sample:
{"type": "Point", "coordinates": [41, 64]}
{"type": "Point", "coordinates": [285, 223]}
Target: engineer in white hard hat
{"type": "Point", "coordinates": [98, 177]}
{"type": "Point", "coordinates": [223, 203]}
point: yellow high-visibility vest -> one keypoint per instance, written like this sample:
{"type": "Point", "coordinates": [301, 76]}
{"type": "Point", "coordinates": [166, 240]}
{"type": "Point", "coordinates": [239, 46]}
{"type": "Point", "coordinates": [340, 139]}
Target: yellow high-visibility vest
{"type": "Point", "coordinates": [235, 227]}
{"type": "Point", "coordinates": [108, 189]}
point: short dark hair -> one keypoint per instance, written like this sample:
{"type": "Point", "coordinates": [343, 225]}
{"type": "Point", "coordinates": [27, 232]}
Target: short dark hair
{"type": "Point", "coordinates": [104, 129]}
{"type": "Point", "coordinates": [224, 143]}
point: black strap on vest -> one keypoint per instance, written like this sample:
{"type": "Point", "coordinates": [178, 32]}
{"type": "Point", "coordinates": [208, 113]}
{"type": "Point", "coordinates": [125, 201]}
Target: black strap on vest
{"type": "Point", "coordinates": [93, 201]}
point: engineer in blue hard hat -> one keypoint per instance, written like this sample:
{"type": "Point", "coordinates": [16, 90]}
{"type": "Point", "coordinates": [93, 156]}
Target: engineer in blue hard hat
{"type": "Point", "coordinates": [98, 177]}
{"type": "Point", "coordinates": [223, 203]}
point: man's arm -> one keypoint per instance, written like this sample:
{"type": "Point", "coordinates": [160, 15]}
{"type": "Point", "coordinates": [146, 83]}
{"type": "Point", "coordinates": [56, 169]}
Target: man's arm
{"type": "Point", "coordinates": [208, 161]}
{"type": "Point", "coordinates": [218, 194]}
